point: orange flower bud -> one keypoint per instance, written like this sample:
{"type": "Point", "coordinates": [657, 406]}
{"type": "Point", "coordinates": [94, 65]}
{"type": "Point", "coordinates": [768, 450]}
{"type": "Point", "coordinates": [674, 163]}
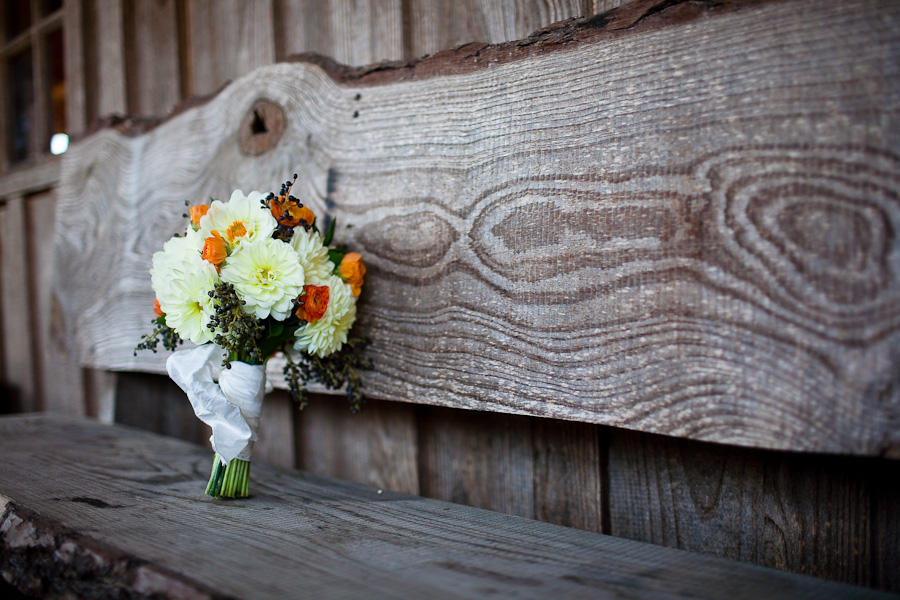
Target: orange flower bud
{"type": "Point", "coordinates": [352, 270]}
{"type": "Point", "coordinates": [157, 308]}
{"type": "Point", "coordinates": [214, 249]}
{"type": "Point", "coordinates": [197, 213]}
{"type": "Point", "coordinates": [313, 303]}
{"type": "Point", "coordinates": [289, 213]}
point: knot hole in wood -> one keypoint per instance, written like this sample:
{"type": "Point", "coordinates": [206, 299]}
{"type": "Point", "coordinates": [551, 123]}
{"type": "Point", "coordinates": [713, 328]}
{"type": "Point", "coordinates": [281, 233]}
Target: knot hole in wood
{"type": "Point", "coordinates": [261, 128]}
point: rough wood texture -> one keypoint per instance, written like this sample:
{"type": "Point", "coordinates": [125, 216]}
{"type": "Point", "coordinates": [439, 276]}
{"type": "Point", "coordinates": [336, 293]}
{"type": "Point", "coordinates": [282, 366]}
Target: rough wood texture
{"type": "Point", "coordinates": [709, 254]}
{"type": "Point", "coordinates": [825, 516]}
{"type": "Point", "coordinates": [19, 369]}
{"type": "Point", "coordinates": [58, 376]}
{"type": "Point", "coordinates": [152, 57]}
{"type": "Point", "coordinates": [377, 447]}
{"type": "Point", "coordinates": [98, 511]}
{"type": "Point", "coordinates": [353, 33]}
{"type": "Point", "coordinates": [228, 38]}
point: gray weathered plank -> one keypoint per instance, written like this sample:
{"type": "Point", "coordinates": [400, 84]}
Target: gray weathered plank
{"type": "Point", "coordinates": [57, 373]}
{"type": "Point", "coordinates": [101, 510]}
{"type": "Point", "coordinates": [152, 53]}
{"type": "Point", "coordinates": [353, 33]}
{"type": "Point", "coordinates": [477, 459]}
{"type": "Point", "coordinates": [687, 242]}
{"type": "Point", "coordinates": [824, 516]}
{"type": "Point", "coordinates": [377, 447]}
{"type": "Point", "coordinates": [19, 368]}
{"type": "Point", "coordinates": [228, 38]}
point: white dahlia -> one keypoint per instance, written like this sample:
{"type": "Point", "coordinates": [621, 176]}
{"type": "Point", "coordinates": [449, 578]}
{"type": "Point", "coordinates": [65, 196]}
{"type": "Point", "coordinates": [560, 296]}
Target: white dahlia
{"type": "Point", "coordinates": [266, 275]}
{"type": "Point", "coordinates": [186, 303]}
{"type": "Point", "coordinates": [313, 255]}
{"type": "Point", "coordinates": [329, 333]}
{"type": "Point", "coordinates": [242, 219]}
{"type": "Point", "coordinates": [169, 264]}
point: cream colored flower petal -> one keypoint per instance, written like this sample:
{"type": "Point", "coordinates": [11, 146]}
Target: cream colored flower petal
{"type": "Point", "coordinates": [329, 333]}
{"type": "Point", "coordinates": [266, 275]}
{"type": "Point", "coordinates": [241, 219]}
{"type": "Point", "coordinates": [187, 304]}
{"type": "Point", "coordinates": [313, 255]}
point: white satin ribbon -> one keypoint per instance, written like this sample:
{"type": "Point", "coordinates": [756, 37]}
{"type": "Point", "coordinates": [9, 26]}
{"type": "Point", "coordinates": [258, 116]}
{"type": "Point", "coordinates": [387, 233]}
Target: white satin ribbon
{"type": "Point", "coordinates": [230, 407]}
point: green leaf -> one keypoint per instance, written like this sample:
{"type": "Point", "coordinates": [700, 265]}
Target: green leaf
{"type": "Point", "coordinates": [275, 329]}
{"type": "Point", "coordinates": [329, 235]}
{"type": "Point", "coordinates": [336, 255]}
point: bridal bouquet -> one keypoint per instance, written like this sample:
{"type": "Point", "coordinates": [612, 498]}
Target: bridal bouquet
{"type": "Point", "coordinates": [249, 278]}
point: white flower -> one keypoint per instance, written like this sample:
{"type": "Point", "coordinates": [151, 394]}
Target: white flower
{"type": "Point", "coordinates": [186, 303]}
{"type": "Point", "coordinates": [266, 275]}
{"type": "Point", "coordinates": [242, 219]}
{"type": "Point", "coordinates": [313, 255]}
{"type": "Point", "coordinates": [329, 333]}
{"type": "Point", "coordinates": [168, 265]}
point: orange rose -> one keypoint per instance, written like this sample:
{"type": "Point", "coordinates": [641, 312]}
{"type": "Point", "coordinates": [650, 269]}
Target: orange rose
{"type": "Point", "coordinates": [197, 213]}
{"type": "Point", "coordinates": [352, 270]}
{"type": "Point", "coordinates": [313, 303]}
{"type": "Point", "coordinates": [157, 308]}
{"type": "Point", "coordinates": [290, 213]}
{"type": "Point", "coordinates": [214, 249]}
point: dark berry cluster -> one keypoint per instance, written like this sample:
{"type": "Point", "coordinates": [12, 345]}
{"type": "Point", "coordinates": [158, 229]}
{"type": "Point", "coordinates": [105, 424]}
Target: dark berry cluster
{"type": "Point", "coordinates": [237, 332]}
{"type": "Point", "coordinates": [334, 372]}
{"type": "Point", "coordinates": [161, 333]}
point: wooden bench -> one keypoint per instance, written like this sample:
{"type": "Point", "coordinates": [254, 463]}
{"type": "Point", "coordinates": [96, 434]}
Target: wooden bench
{"type": "Point", "coordinates": [100, 511]}
{"type": "Point", "coordinates": [697, 242]}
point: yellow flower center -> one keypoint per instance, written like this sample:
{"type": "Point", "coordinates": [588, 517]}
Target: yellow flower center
{"type": "Point", "coordinates": [236, 230]}
{"type": "Point", "coordinates": [266, 277]}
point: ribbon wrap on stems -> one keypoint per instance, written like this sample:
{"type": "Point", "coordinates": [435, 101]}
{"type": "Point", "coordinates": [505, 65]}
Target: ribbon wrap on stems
{"type": "Point", "coordinates": [230, 407]}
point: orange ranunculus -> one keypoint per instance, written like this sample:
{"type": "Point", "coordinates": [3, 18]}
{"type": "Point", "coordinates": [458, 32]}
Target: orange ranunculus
{"type": "Point", "coordinates": [157, 308]}
{"type": "Point", "coordinates": [352, 270]}
{"type": "Point", "coordinates": [214, 249]}
{"type": "Point", "coordinates": [290, 213]}
{"type": "Point", "coordinates": [197, 213]}
{"type": "Point", "coordinates": [313, 303]}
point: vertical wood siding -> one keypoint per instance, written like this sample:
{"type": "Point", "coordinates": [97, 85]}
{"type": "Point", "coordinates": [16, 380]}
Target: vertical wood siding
{"type": "Point", "coordinates": [826, 516]}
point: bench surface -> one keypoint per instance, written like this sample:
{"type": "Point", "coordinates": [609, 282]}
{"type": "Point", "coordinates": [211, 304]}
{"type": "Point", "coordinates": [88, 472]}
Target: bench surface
{"type": "Point", "coordinates": [99, 510]}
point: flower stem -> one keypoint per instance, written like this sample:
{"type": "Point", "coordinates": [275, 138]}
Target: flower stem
{"type": "Point", "coordinates": [231, 481]}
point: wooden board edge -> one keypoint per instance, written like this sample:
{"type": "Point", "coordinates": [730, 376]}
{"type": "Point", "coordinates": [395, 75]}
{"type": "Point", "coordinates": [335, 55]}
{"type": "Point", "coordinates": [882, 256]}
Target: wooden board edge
{"type": "Point", "coordinates": [42, 557]}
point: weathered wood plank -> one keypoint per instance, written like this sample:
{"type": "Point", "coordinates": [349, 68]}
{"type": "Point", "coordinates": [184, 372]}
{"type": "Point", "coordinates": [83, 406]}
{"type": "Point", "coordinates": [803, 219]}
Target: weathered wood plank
{"type": "Point", "coordinates": [436, 25]}
{"type": "Point", "coordinates": [228, 38]}
{"type": "Point", "coordinates": [151, 53]}
{"type": "Point", "coordinates": [20, 372]}
{"type": "Point", "coordinates": [57, 373]}
{"type": "Point", "coordinates": [105, 77]}
{"type": "Point", "coordinates": [645, 251]}
{"type": "Point", "coordinates": [353, 33]}
{"type": "Point", "coordinates": [377, 447]}
{"type": "Point", "coordinates": [73, 38]}
{"type": "Point", "coordinates": [98, 510]}
{"type": "Point", "coordinates": [155, 403]}
{"type": "Point", "coordinates": [823, 516]}
{"type": "Point", "coordinates": [568, 478]}
{"type": "Point", "coordinates": [477, 459]}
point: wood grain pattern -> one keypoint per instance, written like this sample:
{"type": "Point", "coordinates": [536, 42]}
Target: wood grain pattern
{"type": "Point", "coordinates": [354, 33]}
{"type": "Point", "coordinates": [569, 460]}
{"type": "Point", "coordinates": [19, 368]}
{"type": "Point", "coordinates": [228, 38]}
{"type": "Point", "coordinates": [436, 25]}
{"type": "Point", "coordinates": [828, 517]}
{"type": "Point", "coordinates": [57, 374]}
{"type": "Point", "coordinates": [102, 510]}
{"type": "Point", "coordinates": [377, 447]}
{"type": "Point", "coordinates": [710, 254]}
{"type": "Point", "coordinates": [477, 459]}
{"type": "Point", "coordinates": [152, 56]}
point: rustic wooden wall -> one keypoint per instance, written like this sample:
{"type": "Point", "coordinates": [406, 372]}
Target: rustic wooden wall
{"type": "Point", "coordinates": [834, 517]}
